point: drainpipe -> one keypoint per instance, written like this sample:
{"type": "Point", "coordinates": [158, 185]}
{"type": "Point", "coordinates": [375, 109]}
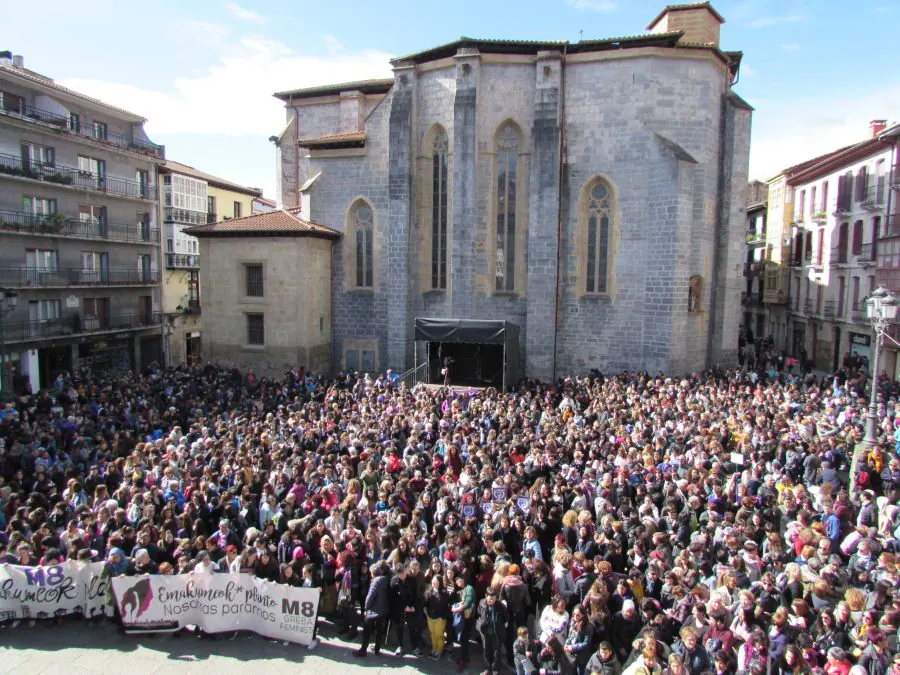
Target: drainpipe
{"type": "Point", "coordinates": [559, 198]}
{"type": "Point", "coordinates": [721, 219]}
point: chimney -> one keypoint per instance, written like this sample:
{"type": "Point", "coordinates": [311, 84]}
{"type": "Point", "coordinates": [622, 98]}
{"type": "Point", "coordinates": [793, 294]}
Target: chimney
{"type": "Point", "coordinates": [19, 61]}
{"type": "Point", "coordinates": [877, 126]}
{"type": "Point", "coordinates": [6, 58]}
{"type": "Point", "coordinates": [698, 21]}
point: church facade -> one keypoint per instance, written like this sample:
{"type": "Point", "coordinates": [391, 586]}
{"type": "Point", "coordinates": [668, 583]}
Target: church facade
{"type": "Point", "coordinates": [589, 193]}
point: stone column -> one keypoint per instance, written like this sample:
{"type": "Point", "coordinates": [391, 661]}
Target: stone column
{"type": "Point", "coordinates": [543, 218]}
{"type": "Point", "coordinates": [396, 278]}
{"type": "Point", "coordinates": [462, 233]}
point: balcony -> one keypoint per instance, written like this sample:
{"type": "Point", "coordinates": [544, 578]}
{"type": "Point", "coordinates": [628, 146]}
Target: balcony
{"type": "Point", "coordinates": [70, 176]}
{"type": "Point", "coordinates": [858, 313]}
{"type": "Point", "coordinates": [895, 176]}
{"type": "Point", "coordinates": [172, 214]}
{"type": "Point", "coordinates": [875, 194]}
{"type": "Point", "coordinates": [75, 325]}
{"type": "Point", "coordinates": [756, 238]}
{"type": "Point", "coordinates": [755, 268]}
{"type": "Point", "coordinates": [193, 307]}
{"type": "Point", "coordinates": [86, 129]}
{"type": "Point", "coordinates": [180, 261]}
{"type": "Point", "coordinates": [830, 309]}
{"type": "Point", "coordinates": [796, 261]}
{"type": "Point", "coordinates": [63, 277]}
{"type": "Point", "coordinates": [751, 299]}
{"type": "Point", "coordinates": [212, 218]}
{"type": "Point", "coordinates": [819, 217]}
{"type": "Point", "coordinates": [839, 255]}
{"type": "Point", "coordinates": [808, 306]}
{"type": "Point", "coordinates": [59, 225]}
{"type": "Point", "coordinates": [866, 254]}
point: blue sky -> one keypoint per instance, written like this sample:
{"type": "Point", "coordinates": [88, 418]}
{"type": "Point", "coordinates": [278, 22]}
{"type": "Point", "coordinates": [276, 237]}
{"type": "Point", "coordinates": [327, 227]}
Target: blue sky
{"type": "Point", "coordinates": [203, 71]}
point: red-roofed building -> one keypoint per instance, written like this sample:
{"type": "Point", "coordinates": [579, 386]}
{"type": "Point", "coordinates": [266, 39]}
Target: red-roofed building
{"type": "Point", "coordinates": [265, 281]}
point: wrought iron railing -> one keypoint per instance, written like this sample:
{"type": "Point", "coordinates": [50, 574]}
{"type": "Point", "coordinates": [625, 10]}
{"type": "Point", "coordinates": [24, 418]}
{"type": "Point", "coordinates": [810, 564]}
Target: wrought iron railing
{"type": "Point", "coordinates": [68, 175]}
{"type": "Point", "coordinates": [829, 309]}
{"type": "Point", "coordinates": [866, 253]}
{"type": "Point", "coordinates": [859, 314]}
{"type": "Point", "coordinates": [19, 277]}
{"type": "Point", "coordinates": [84, 128]}
{"type": "Point", "coordinates": [839, 255]}
{"type": "Point", "coordinates": [61, 225]}
{"type": "Point", "coordinates": [808, 305]}
{"type": "Point", "coordinates": [76, 324]}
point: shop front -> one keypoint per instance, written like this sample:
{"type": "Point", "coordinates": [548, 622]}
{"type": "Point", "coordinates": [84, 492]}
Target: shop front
{"type": "Point", "coordinates": [861, 345]}
{"type": "Point", "coordinates": [107, 356]}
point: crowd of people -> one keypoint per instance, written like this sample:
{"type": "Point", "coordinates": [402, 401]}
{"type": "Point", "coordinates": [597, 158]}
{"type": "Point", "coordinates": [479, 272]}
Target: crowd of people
{"type": "Point", "coordinates": [631, 524]}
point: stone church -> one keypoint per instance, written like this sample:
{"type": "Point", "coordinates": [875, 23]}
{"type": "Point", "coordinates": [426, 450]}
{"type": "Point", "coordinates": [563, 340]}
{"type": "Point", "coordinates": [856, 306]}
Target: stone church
{"type": "Point", "coordinates": [532, 208]}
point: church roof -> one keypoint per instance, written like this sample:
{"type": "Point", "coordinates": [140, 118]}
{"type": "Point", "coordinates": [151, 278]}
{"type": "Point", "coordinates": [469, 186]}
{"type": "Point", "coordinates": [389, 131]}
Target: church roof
{"type": "Point", "coordinates": [684, 6]}
{"type": "Point", "coordinates": [492, 46]}
{"type": "Point", "coordinates": [343, 140]}
{"type": "Point", "coordinates": [364, 86]}
{"type": "Point", "coordinates": [282, 223]}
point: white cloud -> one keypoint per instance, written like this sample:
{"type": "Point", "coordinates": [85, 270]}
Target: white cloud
{"type": "Point", "coordinates": [788, 132]}
{"type": "Point", "coordinates": [791, 47]}
{"type": "Point", "coordinates": [333, 43]}
{"type": "Point", "coordinates": [767, 21]}
{"type": "Point", "coordinates": [243, 14]}
{"type": "Point", "coordinates": [592, 5]}
{"type": "Point", "coordinates": [233, 97]}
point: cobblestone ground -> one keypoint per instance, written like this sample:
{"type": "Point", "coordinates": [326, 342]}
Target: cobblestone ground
{"type": "Point", "coordinates": [73, 648]}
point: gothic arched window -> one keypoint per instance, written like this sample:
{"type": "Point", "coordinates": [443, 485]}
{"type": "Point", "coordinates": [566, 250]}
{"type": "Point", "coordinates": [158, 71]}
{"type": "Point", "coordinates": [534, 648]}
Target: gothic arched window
{"type": "Point", "coordinates": [507, 174]}
{"type": "Point", "coordinates": [597, 213]}
{"type": "Point", "coordinates": [439, 168]}
{"type": "Point", "coordinates": [362, 220]}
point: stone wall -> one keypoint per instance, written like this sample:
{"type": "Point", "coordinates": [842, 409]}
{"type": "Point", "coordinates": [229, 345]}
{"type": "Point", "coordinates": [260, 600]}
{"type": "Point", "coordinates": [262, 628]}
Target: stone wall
{"type": "Point", "coordinates": [296, 302]}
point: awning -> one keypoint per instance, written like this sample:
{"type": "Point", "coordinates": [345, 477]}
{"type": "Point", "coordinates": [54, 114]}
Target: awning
{"type": "Point", "coordinates": [469, 331]}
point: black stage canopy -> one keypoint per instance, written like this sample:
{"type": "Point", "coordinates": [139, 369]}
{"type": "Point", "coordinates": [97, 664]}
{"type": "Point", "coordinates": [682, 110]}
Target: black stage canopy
{"type": "Point", "coordinates": [469, 331]}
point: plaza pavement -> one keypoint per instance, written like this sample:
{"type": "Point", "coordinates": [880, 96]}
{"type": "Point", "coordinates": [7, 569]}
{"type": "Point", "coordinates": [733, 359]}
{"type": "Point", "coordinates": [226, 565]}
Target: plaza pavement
{"type": "Point", "coordinates": [74, 648]}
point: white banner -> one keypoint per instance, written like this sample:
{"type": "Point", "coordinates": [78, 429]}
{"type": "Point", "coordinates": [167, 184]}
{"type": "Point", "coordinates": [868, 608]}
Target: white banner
{"type": "Point", "coordinates": [46, 592]}
{"type": "Point", "coordinates": [217, 603]}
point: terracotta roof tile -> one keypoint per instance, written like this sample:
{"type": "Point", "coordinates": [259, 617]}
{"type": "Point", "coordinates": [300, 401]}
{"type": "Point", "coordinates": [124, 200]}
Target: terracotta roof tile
{"type": "Point", "coordinates": [333, 139]}
{"type": "Point", "coordinates": [285, 222]}
{"type": "Point", "coordinates": [177, 167]}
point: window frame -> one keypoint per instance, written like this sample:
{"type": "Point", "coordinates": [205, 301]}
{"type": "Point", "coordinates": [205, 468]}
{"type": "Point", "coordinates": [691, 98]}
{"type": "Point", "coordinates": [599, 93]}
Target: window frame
{"type": "Point", "coordinates": [508, 147]}
{"type": "Point", "coordinates": [362, 246]}
{"type": "Point", "coordinates": [254, 284]}
{"type": "Point", "coordinates": [439, 212]}
{"type": "Point", "coordinates": [596, 215]}
{"type": "Point", "coordinates": [256, 335]}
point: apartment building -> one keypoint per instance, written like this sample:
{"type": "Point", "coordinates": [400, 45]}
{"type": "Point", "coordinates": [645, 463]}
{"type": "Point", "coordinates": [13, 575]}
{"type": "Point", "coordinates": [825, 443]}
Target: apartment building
{"type": "Point", "coordinates": [835, 207]}
{"type": "Point", "coordinates": [887, 250]}
{"type": "Point", "coordinates": [191, 197]}
{"type": "Point", "coordinates": [79, 261]}
{"type": "Point", "coordinates": [754, 316]}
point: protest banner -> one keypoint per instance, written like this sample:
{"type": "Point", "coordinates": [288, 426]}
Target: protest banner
{"type": "Point", "coordinates": [216, 603]}
{"type": "Point", "coordinates": [498, 494]}
{"type": "Point", "coordinates": [47, 592]}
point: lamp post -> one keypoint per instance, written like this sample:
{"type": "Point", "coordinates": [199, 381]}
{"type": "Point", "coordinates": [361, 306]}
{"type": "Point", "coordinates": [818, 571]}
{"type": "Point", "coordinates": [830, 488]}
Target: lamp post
{"type": "Point", "coordinates": [9, 300]}
{"type": "Point", "coordinates": [881, 310]}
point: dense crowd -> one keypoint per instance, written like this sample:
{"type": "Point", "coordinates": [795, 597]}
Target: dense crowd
{"type": "Point", "coordinates": [631, 524]}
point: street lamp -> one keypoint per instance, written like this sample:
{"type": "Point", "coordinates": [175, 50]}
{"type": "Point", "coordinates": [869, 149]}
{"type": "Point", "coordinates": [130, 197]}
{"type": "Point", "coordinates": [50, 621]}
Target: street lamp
{"type": "Point", "coordinates": [881, 310]}
{"type": "Point", "coordinates": [9, 300]}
